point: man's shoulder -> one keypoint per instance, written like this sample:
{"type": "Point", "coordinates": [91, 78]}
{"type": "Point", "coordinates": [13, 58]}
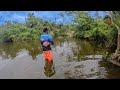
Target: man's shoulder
{"type": "Point", "coordinates": [49, 35]}
{"type": "Point", "coordinates": [44, 35]}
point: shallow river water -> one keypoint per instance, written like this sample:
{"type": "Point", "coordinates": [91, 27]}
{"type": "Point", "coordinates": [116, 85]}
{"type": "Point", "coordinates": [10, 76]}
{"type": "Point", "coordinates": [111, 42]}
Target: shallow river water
{"type": "Point", "coordinates": [73, 59]}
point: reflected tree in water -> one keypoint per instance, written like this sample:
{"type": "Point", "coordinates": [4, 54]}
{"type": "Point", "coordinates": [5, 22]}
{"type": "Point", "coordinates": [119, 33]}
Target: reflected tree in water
{"type": "Point", "coordinates": [84, 48]}
{"type": "Point", "coordinates": [11, 50]}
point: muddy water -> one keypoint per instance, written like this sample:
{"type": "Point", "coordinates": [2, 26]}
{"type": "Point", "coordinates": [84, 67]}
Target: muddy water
{"type": "Point", "coordinates": [73, 59]}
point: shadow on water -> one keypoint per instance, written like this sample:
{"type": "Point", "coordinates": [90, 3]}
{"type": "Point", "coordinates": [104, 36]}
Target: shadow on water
{"type": "Point", "coordinates": [73, 59]}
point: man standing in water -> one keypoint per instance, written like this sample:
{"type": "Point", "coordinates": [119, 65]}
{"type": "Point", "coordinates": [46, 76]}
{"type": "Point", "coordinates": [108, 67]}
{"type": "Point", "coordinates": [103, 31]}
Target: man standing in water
{"type": "Point", "coordinates": [46, 40]}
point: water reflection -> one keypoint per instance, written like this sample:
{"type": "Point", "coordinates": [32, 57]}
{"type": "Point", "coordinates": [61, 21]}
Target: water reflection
{"type": "Point", "coordinates": [74, 58]}
{"type": "Point", "coordinates": [84, 50]}
{"type": "Point", "coordinates": [11, 50]}
{"type": "Point", "coordinates": [49, 68]}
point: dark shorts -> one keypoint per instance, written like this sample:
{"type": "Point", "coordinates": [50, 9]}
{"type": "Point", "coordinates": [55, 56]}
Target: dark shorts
{"type": "Point", "coordinates": [46, 48]}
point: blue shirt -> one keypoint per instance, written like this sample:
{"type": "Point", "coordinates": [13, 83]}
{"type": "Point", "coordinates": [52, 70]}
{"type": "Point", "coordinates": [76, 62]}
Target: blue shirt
{"type": "Point", "coordinates": [46, 38]}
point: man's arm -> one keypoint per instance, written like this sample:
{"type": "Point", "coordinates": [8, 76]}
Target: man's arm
{"type": "Point", "coordinates": [41, 40]}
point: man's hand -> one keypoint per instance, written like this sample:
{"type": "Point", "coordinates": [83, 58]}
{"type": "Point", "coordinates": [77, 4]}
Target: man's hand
{"type": "Point", "coordinates": [46, 44]}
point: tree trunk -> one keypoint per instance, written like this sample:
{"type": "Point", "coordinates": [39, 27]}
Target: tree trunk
{"type": "Point", "coordinates": [118, 43]}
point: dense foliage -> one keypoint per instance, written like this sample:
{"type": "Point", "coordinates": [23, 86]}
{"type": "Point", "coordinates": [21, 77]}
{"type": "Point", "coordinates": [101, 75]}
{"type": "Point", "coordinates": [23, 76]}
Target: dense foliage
{"type": "Point", "coordinates": [83, 25]}
{"type": "Point", "coordinates": [30, 30]}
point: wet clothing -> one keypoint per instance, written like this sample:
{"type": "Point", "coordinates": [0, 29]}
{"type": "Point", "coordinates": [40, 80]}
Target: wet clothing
{"type": "Point", "coordinates": [46, 38]}
{"type": "Point", "coordinates": [48, 55]}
